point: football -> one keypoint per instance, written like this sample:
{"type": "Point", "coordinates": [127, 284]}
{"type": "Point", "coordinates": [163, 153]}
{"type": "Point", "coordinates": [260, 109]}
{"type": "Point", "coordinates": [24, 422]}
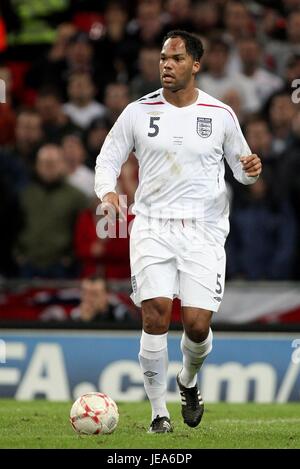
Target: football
{"type": "Point", "coordinates": [94, 413]}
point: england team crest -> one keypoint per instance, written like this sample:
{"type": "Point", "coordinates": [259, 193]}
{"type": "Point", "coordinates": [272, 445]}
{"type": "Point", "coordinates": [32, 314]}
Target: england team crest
{"type": "Point", "coordinates": [204, 126]}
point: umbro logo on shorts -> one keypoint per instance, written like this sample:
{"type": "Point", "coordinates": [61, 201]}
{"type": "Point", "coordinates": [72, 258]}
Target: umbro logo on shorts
{"type": "Point", "coordinates": [218, 298]}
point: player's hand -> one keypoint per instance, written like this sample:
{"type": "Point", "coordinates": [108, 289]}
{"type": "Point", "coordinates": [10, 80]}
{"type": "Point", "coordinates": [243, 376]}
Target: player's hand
{"type": "Point", "coordinates": [111, 206]}
{"type": "Point", "coordinates": [251, 165]}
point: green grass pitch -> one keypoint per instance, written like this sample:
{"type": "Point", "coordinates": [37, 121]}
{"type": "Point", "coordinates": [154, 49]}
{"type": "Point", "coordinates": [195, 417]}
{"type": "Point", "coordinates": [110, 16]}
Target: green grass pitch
{"type": "Point", "coordinates": [42, 424]}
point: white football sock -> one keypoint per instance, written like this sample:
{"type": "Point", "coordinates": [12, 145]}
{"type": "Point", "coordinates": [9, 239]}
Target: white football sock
{"type": "Point", "coordinates": [194, 355]}
{"type": "Point", "coordinates": [153, 359]}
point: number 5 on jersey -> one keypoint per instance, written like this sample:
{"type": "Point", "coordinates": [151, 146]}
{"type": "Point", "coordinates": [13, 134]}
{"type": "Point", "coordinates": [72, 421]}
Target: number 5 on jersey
{"type": "Point", "coordinates": [154, 127]}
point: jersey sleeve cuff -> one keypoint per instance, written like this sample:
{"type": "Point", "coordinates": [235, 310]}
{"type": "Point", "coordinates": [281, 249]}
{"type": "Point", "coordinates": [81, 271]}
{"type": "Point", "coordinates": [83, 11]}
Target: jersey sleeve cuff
{"type": "Point", "coordinates": [247, 180]}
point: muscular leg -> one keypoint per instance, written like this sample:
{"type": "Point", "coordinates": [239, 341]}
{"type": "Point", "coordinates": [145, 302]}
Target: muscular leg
{"type": "Point", "coordinates": [196, 342]}
{"type": "Point", "coordinates": [156, 315]}
{"type": "Point", "coordinates": [196, 322]}
{"type": "Point", "coordinates": [153, 354]}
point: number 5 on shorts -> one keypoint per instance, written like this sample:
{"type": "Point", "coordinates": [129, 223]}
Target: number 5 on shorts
{"type": "Point", "coordinates": [218, 289]}
{"type": "Point", "coordinates": [219, 286]}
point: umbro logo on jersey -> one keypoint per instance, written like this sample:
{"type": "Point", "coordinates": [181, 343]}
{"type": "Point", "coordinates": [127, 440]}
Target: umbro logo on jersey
{"type": "Point", "coordinates": [204, 126]}
{"type": "Point", "coordinates": [154, 113]}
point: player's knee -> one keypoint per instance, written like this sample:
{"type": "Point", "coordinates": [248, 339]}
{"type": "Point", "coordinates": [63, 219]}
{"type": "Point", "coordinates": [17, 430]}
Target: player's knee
{"type": "Point", "coordinates": [196, 323]}
{"type": "Point", "coordinates": [197, 331]}
{"type": "Point", "coordinates": [156, 316]}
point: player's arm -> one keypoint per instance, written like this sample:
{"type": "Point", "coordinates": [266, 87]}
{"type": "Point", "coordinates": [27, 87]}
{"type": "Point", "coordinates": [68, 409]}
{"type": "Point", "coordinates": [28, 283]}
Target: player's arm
{"type": "Point", "coordinates": [114, 152]}
{"type": "Point", "coordinates": [246, 167]}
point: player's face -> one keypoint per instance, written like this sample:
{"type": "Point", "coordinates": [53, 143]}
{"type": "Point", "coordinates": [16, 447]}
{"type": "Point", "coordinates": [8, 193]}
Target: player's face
{"type": "Point", "coordinates": [177, 67]}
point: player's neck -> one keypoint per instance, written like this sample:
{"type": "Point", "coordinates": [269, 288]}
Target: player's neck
{"type": "Point", "coordinates": [181, 98]}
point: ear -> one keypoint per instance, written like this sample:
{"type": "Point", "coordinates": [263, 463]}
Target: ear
{"type": "Point", "coordinates": [196, 67]}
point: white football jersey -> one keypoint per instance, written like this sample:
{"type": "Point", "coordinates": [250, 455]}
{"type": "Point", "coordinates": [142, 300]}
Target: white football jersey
{"type": "Point", "coordinates": [180, 151]}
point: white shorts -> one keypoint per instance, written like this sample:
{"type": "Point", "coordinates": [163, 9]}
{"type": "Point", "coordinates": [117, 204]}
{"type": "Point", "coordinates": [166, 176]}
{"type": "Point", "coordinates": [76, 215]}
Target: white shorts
{"type": "Point", "coordinates": [175, 258]}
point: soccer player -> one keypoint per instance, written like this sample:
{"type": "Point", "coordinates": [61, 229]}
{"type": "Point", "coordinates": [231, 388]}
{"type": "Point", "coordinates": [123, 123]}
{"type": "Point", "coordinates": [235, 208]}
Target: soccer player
{"type": "Point", "coordinates": [180, 136]}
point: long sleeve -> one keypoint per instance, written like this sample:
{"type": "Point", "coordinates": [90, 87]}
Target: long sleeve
{"type": "Point", "coordinates": [114, 152]}
{"type": "Point", "coordinates": [234, 147]}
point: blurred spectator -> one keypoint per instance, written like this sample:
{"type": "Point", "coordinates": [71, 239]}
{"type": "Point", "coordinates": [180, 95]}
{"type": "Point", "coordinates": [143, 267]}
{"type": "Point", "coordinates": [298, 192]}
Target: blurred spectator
{"type": "Point", "coordinates": [65, 32]}
{"type": "Point", "coordinates": [292, 71]}
{"type": "Point", "coordinates": [205, 17]}
{"type": "Point", "coordinates": [178, 14]}
{"type": "Point", "coordinates": [147, 27]}
{"type": "Point", "coordinates": [18, 161]}
{"type": "Point", "coordinates": [78, 57]}
{"type": "Point", "coordinates": [13, 171]}
{"type": "Point", "coordinates": [78, 175]}
{"type": "Point", "coordinates": [237, 20]}
{"type": "Point", "coordinates": [29, 135]}
{"type": "Point", "coordinates": [47, 69]}
{"type": "Point", "coordinates": [95, 137]}
{"type": "Point", "coordinates": [265, 83]}
{"type": "Point", "coordinates": [216, 81]}
{"type": "Point", "coordinates": [50, 207]}
{"type": "Point", "coordinates": [115, 47]}
{"type": "Point", "coordinates": [148, 78]}
{"type": "Point", "coordinates": [290, 5]}
{"type": "Point", "coordinates": [55, 122]}
{"type": "Point", "coordinates": [281, 114]}
{"type": "Point", "coordinates": [262, 241]}
{"type": "Point", "coordinates": [98, 305]}
{"type": "Point", "coordinates": [238, 23]}
{"type": "Point", "coordinates": [271, 25]}
{"type": "Point", "coordinates": [281, 51]}
{"type": "Point", "coordinates": [259, 137]}
{"type": "Point", "coordinates": [116, 99]}
{"type": "Point", "coordinates": [233, 99]}
{"type": "Point", "coordinates": [82, 108]}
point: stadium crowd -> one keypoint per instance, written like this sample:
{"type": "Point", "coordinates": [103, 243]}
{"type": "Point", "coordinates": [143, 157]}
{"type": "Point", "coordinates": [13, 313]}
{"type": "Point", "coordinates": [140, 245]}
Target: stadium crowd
{"type": "Point", "coordinates": [70, 68]}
